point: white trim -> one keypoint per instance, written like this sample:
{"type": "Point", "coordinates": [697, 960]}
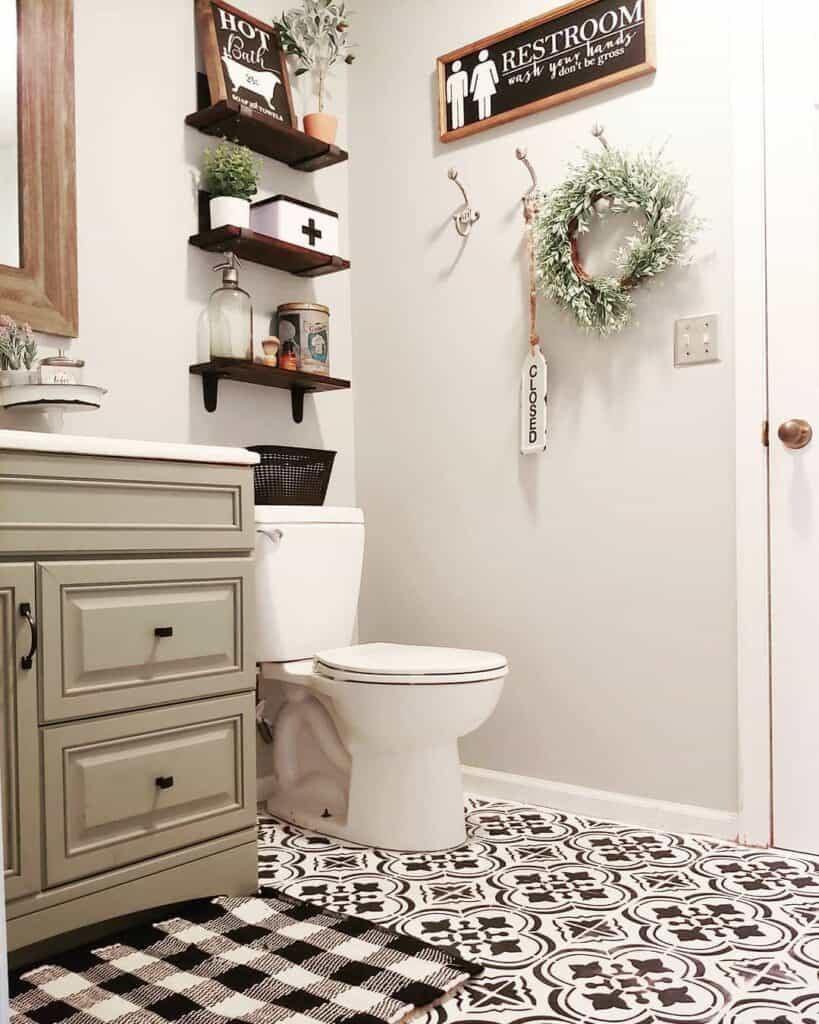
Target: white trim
{"type": "Point", "coordinates": [639, 811]}
{"type": "Point", "coordinates": [750, 361]}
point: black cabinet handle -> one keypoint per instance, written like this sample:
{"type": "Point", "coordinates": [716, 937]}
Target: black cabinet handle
{"type": "Point", "coordinates": [27, 660]}
{"type": "Point", "coordinates": [164, 782]}
{"type": "Point", "coordinates": [163, 631]}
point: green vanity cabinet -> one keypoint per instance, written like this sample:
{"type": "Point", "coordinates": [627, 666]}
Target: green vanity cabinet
{"type": "Point", "coordinates": [127, 737]}
{"type": "Point", "coordinates": [19, 761]}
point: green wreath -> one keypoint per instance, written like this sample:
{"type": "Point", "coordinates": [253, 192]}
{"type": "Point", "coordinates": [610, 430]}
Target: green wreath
{"type": "Point", "coordinates": [661, 239]}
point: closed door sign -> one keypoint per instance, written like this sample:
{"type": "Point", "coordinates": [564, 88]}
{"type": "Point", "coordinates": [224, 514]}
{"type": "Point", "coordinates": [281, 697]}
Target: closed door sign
{"type": "Point", "coordinates": [244, 61]}
{"type": "Point", "coordinates": [580, 48]}
{"type": "Point", "coordinates": [533, 403]}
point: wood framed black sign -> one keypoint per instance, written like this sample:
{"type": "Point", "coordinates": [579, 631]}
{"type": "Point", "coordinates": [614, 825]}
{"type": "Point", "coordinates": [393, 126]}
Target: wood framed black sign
{"type": "Point", "coordinates": [571, 51]}
{"type": "Point", "coordinates": [244, 61]}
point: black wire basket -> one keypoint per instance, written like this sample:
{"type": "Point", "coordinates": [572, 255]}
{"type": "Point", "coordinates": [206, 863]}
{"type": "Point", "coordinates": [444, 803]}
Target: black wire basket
{"type": "Point", "coordinates": [291, 476]}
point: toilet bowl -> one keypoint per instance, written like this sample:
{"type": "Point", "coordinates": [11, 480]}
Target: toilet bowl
{"type": "Point", "coordinates": [365, 742]}
{"type": "Point", "coordinates": [399, 785]}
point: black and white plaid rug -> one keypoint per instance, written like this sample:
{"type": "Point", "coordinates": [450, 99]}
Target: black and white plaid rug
{"type": "Point", "coordinates": [264, 960]}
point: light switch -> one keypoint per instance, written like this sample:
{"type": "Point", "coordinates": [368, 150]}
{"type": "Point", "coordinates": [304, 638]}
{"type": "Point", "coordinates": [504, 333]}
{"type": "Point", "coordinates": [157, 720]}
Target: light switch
{"type": "Point", "coordinates": [696, 340]}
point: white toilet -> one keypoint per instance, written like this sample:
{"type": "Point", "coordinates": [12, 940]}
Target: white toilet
{"type": "Point", "coordinates": [365, 746]}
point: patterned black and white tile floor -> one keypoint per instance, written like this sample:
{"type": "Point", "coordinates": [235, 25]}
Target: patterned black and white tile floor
{"type": "Point", "coordinates": [583, 921]}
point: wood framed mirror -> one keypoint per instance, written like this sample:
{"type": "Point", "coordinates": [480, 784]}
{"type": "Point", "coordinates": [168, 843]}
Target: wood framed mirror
{"type": "Point", "coordinates": [38, 218]}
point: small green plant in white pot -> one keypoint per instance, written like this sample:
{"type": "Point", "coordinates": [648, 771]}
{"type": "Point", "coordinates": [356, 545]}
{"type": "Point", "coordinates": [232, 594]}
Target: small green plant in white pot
{"type": "Point", "coordinates": [315, 33]}
{"type": "Point", "coordinates": [18, 351]}
{"type": "Point", "coordinates": [230, 175]}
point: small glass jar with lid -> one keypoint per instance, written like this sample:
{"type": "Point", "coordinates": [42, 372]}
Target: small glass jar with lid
{"type": "Point", "coordinates": [60, 369]}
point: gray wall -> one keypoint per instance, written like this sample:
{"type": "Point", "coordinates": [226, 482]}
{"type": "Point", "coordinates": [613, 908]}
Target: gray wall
{"type": "Point", "coordinates": [605, 568]}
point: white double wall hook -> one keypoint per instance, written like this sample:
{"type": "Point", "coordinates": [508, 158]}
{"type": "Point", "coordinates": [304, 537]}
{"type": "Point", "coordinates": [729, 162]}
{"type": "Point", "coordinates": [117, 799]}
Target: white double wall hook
{"type": "Point", "coordinates": [529, 195]}
{"type": "Point", "coordinates": [465, 218]}
{"type": "Point", "coordinates": [599, 132]}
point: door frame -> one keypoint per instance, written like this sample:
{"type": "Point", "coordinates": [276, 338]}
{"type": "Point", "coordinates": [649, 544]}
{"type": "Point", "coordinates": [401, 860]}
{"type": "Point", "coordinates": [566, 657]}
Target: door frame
{"type": "Point", "coordinates": [754, 821]}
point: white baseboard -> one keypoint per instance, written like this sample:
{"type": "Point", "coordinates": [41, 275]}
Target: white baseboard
{"type": "Point", "coordinates": [639, 811]}
{"type": "Point", "coordinates": [642, 812]}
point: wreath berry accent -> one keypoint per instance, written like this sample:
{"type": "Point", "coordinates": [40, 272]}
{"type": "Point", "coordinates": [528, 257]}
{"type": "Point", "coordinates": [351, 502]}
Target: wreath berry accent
{"type": "Point", "coordinates": [605, 183]}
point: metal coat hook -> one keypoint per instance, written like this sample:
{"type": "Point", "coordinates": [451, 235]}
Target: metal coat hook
{"type": "Point", "coordinates": [467, 216]}
{"type": "Point", "coordinates": [522, 155]}
{"type": "Point", "coordinates": [599, 132]}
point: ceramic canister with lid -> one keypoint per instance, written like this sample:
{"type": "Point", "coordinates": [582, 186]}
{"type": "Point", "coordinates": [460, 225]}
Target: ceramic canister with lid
{"type": "Point", "coordinates": [308, 324]}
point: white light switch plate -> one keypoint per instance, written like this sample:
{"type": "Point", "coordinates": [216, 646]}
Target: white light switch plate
{"type": "Point", "coordinates": [696, 340]}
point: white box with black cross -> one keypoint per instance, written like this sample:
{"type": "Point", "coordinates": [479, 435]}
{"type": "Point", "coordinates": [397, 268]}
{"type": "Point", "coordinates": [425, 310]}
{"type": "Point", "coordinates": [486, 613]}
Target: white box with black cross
{"type": "Point", "coordinates": [293, 220]}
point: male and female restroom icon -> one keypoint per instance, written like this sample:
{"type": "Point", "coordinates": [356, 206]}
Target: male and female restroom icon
{"type": "Point", "coordinates": [480, 88]}
{"type": "Point", "coordinates": [365, 745]}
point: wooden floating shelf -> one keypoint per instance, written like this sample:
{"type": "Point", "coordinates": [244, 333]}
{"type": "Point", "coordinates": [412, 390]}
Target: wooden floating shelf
{"type": "Point", "coordinates": [271, 252]}
{"type": "Point", "coordinates": [231, 120]}
{"type": "Point", "coordinates": [298, 383]}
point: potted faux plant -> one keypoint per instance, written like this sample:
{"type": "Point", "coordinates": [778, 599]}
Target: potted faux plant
{"type": "Point", "coordinates": [315, 33]}
{"type": "Point", "coordinates": [230, 175]}
{"type": "Point", "coordinates": [18, 350]}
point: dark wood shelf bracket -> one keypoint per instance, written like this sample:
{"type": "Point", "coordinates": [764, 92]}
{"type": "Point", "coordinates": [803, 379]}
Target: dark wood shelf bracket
{"type": "Point", "coordinates": [297, 383]}
{"type": "Point", "coordinates": [210, 396]}
{"type": "Point", "coordinates": [231, 120]}
{"type": "Point", "coordinates": [297, 404]}
{"type": "Point", "coordinates": [270, 252]}
{"type": "Point", "coordinates": [210, 390]}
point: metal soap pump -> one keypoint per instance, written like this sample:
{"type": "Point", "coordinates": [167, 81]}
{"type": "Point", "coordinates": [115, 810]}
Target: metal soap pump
{"type": "Point", "coordinates": [230, 315]}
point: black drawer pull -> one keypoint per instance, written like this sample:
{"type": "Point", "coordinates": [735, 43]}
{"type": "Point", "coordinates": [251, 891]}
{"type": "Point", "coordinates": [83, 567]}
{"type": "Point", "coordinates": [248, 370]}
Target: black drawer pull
{"type": "Point", "coordinates": [163, 631]}
{"type": "Point", "coordinates": [27, 660]}
{"type": "Point", "coordinates": [164, 782]}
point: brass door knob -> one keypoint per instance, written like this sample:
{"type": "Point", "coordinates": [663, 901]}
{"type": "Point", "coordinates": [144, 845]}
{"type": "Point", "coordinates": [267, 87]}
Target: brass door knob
{"type": "Point", "coordinates": [795, 433]}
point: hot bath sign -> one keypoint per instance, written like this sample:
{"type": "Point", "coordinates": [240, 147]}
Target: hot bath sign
{"type": "Point", "coordinates": [244, 61]}
{"type": "Point", "coordinates": [572, 51]}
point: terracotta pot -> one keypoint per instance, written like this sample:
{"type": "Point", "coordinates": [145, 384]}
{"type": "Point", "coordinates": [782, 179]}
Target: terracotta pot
{"type": "Point", "coordinates": [321, 126]}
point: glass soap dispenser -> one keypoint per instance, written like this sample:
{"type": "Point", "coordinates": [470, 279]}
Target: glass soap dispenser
{"type": "Point", "coordinates": [230, 315]}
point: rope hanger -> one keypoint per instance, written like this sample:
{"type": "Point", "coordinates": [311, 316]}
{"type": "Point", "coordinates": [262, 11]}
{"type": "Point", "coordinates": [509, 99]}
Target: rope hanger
{"type": "Point", "coordinates": [531, 202]}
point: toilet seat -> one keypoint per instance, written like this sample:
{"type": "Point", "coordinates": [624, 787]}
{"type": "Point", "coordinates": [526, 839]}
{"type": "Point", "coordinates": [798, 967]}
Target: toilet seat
{"type": "Point", "coordinates": [408, 665]}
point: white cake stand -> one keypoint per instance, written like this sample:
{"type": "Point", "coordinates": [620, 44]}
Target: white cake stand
{"type": "Point", "coordinates": [67, 397]}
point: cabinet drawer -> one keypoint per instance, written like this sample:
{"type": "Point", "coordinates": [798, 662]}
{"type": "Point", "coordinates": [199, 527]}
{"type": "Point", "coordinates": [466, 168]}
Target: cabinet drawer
{"type": "Point", "coordinates": [59, 503]}
{"type": "Point", "coordinates": [119, 635]}
{"type": "Point", "coordinates": [129, 787]}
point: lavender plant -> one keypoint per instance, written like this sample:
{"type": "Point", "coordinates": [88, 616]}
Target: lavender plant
{"type": "Point", "coordinates": [18, 349]}
{"type": "Point", "coordinates": [315, 33]}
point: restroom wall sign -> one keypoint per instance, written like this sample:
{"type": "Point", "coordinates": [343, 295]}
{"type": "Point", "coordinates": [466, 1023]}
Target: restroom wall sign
{"type": "Point", "coordinates": [244, 61]}
{"type": "Point", "coordinates": [570, 52]}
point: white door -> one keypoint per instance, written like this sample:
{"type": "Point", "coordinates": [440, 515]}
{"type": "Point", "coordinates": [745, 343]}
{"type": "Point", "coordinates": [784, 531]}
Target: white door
{"type": "Point", "coordinates": [792, 167]}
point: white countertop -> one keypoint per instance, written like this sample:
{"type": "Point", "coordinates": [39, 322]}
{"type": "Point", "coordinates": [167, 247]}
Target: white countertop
{"type": "Point", "coordinates": [29, 441]}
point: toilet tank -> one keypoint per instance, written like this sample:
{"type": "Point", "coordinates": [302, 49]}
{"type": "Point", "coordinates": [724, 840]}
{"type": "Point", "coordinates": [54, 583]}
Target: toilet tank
{"type": "Point", "coordinates": [308, 576]}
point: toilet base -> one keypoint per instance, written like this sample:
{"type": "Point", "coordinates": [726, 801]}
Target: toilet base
{"type": "Point", "coordinates": [408, 800]}
{"type": "Point", "coordinates": [374, 763]}
{"type": "Point", "coordinates": [411, 801]}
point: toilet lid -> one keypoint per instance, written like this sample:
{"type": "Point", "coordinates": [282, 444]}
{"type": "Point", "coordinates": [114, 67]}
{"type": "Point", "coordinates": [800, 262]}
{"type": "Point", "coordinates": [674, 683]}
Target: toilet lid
{"type": "Point", "coordinates": [407, 664]}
